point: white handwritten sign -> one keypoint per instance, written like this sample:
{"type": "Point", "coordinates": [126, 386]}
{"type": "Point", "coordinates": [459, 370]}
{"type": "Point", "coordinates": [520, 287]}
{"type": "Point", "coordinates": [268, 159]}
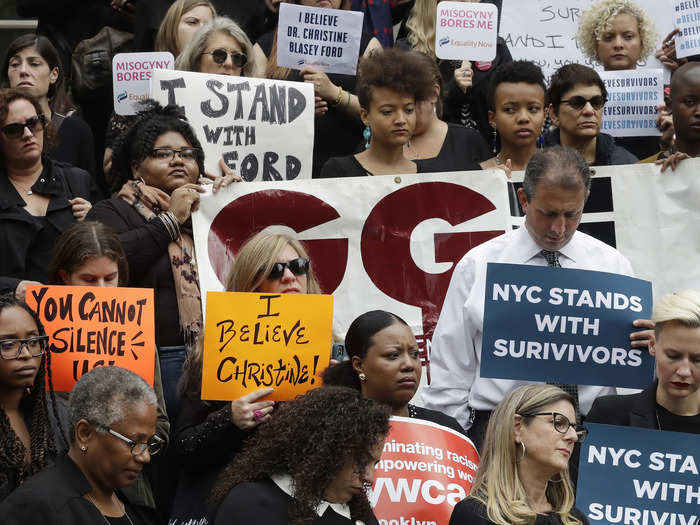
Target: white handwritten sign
{"type": "Point", "coordinates": [544, 31]}
{"type": "Point", "coordinates": [687, 19]}
{"type": "Point", "coordinates": [327, 39]}
{"type": "Point", "coordinates": [465, 31]}
{"type": "Point", "coordinates": [131, 78]}
{"type": "Point", "coordinates": [633, 97]}
{"type": "Point", "coordinates": [263, 129]}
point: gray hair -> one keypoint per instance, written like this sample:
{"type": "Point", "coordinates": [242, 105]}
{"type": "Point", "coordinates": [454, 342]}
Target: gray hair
{"type": "Point", "coordinates": [562, 166]}
{"type": "Point", "coordinates": [103, 395]}
{"type": "Point", "coordinates": [191, 56]}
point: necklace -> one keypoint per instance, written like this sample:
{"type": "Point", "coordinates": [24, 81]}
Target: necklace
{"type": "Point", "coordinates": [100, 511]}
{"type": "Point", "coordinates": [16, 184]}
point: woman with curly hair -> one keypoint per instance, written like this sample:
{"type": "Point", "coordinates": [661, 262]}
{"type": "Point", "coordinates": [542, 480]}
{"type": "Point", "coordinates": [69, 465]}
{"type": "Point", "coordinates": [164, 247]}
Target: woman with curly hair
{"type": "Point", "coordinates": [209, 434]}
{"type": "Point", "coordinates": [155, 170]}
{"type": "Point", "coordinates": [523, 475]}
{"type": "Point", "coordinates": [389, 84]}
{"type": "Point", "coordinates": [32, 423]}
{"type": "Point", "coordinates": [311, 463]}
{"type": "Point", "coordinates": [618, 34]}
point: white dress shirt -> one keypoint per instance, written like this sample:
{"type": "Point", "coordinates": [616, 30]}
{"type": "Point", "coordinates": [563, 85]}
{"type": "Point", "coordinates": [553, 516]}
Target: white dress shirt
{"type": "Point", "coordinates": [284, 482]}
{"type": "Point", "coordinates": [456, 386]}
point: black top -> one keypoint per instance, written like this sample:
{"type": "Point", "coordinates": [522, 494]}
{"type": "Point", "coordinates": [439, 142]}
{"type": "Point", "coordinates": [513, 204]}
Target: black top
{"type": "Point", "coordinates": [204, 442]}
{"type": "Point", "coordinates": [463, 150]}
{"type": "Point", "coordinates": [346, 167]}
{"type": "Point", "coordinates": [264, 503]}
{"type": "Point", "coordinates": [26, 241]}
{"type": "Point", "coordinates": [470, 511]}
{"type": "Point", "coordinates": [55, 497]}
{"type": "Point", "coordinates": [146, 247]}
{"type": "Point", "coordinates": [74, 144]}
{"type": "Point", "coordinates": [336, 134]}
{"type": "Point", "coordinates": [640, 410]}
{"type": "Point", "coordinates": [435, 416]}
{"type": "Point", "coordinates": [640, 147]}
{"type": "Point", "coordinates": [607, 153]}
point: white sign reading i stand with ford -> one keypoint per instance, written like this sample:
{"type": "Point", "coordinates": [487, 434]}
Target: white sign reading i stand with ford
{"type": "Point", "coordinates": [466, 31]}
{"type": "Point", "coordinates": [131, 78]}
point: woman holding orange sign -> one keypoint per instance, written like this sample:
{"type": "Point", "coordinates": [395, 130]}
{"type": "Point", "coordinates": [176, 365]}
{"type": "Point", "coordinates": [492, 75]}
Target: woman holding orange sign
{"type": "Point", "coordinates": [208, 435]}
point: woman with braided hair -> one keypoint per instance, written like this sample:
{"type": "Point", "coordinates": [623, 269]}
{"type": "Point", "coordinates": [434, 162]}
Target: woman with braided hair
{"type": "Point", "coordinates": [31, 422]}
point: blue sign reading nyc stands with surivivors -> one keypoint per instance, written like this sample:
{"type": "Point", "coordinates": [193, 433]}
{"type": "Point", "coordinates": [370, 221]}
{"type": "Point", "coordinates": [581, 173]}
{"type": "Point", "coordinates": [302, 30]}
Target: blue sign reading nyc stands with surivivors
{"type": "Point", "coordinates": [639, 476]}
{"type": "Point", "coordinates": [562, 325]}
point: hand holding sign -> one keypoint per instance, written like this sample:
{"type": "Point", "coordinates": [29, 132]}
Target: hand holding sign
{"type": "Point", "coordinates": [247, 412]}
{"type": "Point", "coordinates": [323, 87]}
{"type": "Point", "coordinates": [463, 76]}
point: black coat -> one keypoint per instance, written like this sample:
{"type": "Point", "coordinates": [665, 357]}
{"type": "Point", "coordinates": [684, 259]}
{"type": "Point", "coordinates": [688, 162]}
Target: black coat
{"type": "Point", "coordinates": [55, 497]}
{"type": "Point", "coordinates": [635, 410]}
{"type": "Point", "coordinates": [19, 231]}
{"type": "Point", "coordinates": [607, 153]}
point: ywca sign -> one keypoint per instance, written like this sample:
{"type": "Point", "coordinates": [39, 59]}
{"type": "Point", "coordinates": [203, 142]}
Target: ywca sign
{"type": "Point", "coordinates": [375, 242]}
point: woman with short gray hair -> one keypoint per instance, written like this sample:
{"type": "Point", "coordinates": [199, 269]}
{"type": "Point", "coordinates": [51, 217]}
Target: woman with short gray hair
{"type": "Point", "coordinates": [112, 431]}
{"type": "Point", "coordinates": [220, 46]}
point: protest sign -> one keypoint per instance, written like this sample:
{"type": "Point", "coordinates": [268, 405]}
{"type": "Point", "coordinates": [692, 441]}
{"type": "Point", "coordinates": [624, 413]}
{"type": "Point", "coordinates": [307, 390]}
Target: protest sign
{"type": "Point", "coordinates": [425, 469]}
{"type": "Point", "coordinates": [633, 96]}
{"type": "Point", "coordinates": [465, 31]}
{"type": "Point", "coordinates": [639, 476]}
{"type": "Point", "coordinates": [398, 238]}
{"type": "Point", "coordinates": [687, 18]}
{"type": "Point", "coordinates": [327, 39]}
{"type": "Point", "coordinates": [545, 31]}
{"type": "Point", "coordinates": [92, 326]}
{"type": "Point", "coordinates": [263, 129]}
{"type": "Point", "coordinates": [375, 242]}
{"type": "Point", "coordinates": [131, 78]}
{"type": "Point", "coordinates": [564, 325]}
{"type": "Point", "coordinates": [254, 341]}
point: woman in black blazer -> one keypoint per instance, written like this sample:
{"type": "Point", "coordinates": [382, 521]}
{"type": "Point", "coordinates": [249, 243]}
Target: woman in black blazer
{"type": "Point", "coordinates": [672, 402]}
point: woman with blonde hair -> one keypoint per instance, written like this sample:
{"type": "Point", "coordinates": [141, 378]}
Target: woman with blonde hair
{"type": "Point", "coordinates": [672, 401]}
{"type": "Point", "coordinates": [208, 435]}
{"type": "Point", "coordinates": [180, 22]}
{"type": "Point", "coordinates": [523, 476]}
{"type": "Point", "coordinates": [618, 34]}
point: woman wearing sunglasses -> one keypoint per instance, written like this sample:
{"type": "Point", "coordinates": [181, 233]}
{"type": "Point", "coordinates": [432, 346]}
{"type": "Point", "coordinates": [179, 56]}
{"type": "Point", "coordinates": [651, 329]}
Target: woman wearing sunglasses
{"type": "Point", "coordinates": [112, 437]}
{"type": "Point", "coordinates": [39, 197]}
{"type": "Point", "coordinates": [576, 98]}
{"type": "Point", "coordinates": [220, 46]}
{"type": "Point", "coordinates": [32, 64]}
{"type": "Point", "coordinates": [672, 402]}
{"type": "Point", "coordinates": [618, 34]}
{"type": "Point", "coordinates": [209, 434]}
{"type": "Point", "coordinates": [32, 422]}
{"type": "Point", "coordinates": [523, 475]}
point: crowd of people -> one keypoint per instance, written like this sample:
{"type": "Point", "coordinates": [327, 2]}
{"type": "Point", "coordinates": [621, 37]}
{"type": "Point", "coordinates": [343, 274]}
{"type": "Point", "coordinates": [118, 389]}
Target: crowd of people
{"type": "Point", "coordinates": [118, 450]}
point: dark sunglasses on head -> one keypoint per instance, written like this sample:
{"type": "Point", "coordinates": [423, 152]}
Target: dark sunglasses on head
{"type": "Point", "coordinates": [219, 56]}
{"type": "Point", "coordinates": [578, 102]}
{"type": "Point", "coordinates": [16, 129]}
{"type": "Point", "coordinates": [299, 266]}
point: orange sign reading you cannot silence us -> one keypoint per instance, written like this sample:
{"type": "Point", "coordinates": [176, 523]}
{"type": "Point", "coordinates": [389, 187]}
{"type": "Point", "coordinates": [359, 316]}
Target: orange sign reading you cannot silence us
{"type": "Point", "coordinates": [91, 326]}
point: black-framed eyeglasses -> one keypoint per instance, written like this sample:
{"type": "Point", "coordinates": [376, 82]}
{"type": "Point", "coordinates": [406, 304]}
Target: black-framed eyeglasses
{"type": "Point", "coordinates": [220, 54]}
{"type": "Point", "coordinates": [561, 424]}
{"type": "Point", "coordinates": [16, 129]}
{"type": "Point", "coordinates": [299, 266]}
{"type": "Point", "coordinates": [137, 449]}
{"type": "Point", "coordinates": [168, 154]}
{"type": "Point", "coordinates": [12, 348]}
{"type": "Point", "coordinates": [578, 102]}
